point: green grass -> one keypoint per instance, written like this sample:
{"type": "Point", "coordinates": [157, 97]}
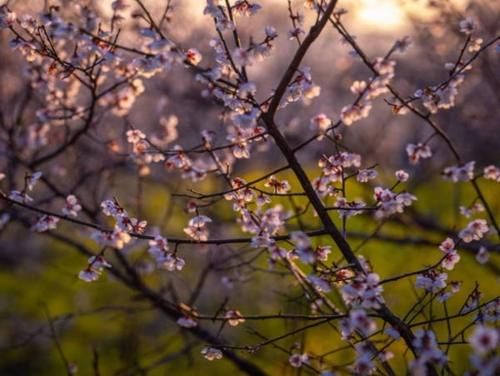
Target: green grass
{"type": "Point", "coordinates": [123, 340]}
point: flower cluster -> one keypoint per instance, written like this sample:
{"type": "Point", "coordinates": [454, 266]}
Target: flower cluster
{"type": "Point", "coordinates": [277, 186]}
{"type": "Point", "coordinates": [435, 98]}
{"type": "Point", "coordinates": [390, 203]}
{"type": "Point", "coordinates": [234, 317]}
{"type": "Point", "coordinates": [195, 170]}
{"type": "Point", "coordinates": [165, 259]}
{"type": "Point", "coordinates": [124, 226]}
{"type": "Point", "coordinates": [482, 256]}
{"type": "Point", "coordinates": [475, 230]}
{"type": "Point", "coordinates": [428, 351]}
{"type": "Point", "coordinates": [460, 173]}
{"type": "Point", "coordinates": [94, 269]}
{"type": "Point", "coordinates": [358, 322]}
{"type": "Point", "coordinates": [333, 169]}
{"type": "Point", "coordinates": [451, 256]}
{"type": "Point", "coordinates": [348, 209]}
{"type": "Point", "coordinates": [320, 123]}
{"type": "Point", "coordinates": [72, 206]}
{"type": "Point", "coordinates": [197, 228]}
{"type": "Point", "coordinates": [45, 223]}
{"type": "Point", "coordinates": [211, 353]}
{"type": "Point", "coordinates": [475, 208]}
{"type": "Point", "coordinates": [302, 87]}
{"type": "Point", "coordinates": [7, 18]}
{"type": "Point", "coordinates": [432, 281]}
{"type": "Point", "coordinates": [485, 341]}
{"type": "Point", "coordinates": [364, 290]}
{"type": "Point", "coordinates": [304, 250]}
{"type": "Point", "coordinates": [366, 92]}
{"type": "Point", "coordinates": [492, 172]}
{"type": "Point", "coordinates": [364, 363]}
{"type": "Point", "coordinates": [30, 181]}
{"type": "Point", "coordinates": [419, 151]}
{"type": "Point", "coordinates": [296, 360]}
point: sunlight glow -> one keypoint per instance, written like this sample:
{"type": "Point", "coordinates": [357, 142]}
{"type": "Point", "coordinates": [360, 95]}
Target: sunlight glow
{"type": "Point", "coordinates": [383, 14]}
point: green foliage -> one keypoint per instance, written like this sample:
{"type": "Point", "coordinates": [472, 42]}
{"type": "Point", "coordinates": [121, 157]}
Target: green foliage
{"type": "Point", "coordinates": [108, 319]}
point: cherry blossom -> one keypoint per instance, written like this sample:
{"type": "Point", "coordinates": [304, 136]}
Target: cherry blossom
{"type": "Point", "coordinates": [193, 56]}
{"type": "Point", "coordinates": [246, 8]}
{"type": "Point", "coordinates": [187, 322]}
{"type": "Point", "coordinates": [425, 342]}
{"type": "Point", "coordinates": [364, 364]}
{"type": "Point", "coordinates": [321, 284]}
{"type": "Point", "coordinates": [492, 173]}
{"type": "Point", "coordinates": [234, 317]}
{"type": "Point", "coordinates": [390, 202]}
{"type": "Point", "coordinates": [482, 256]}
{"type": "Point", "coordinates": [45, 223]}
{"type": "Point", "coordinates": [358, 321]}
{"type": "Point", "coordinates": [32, 180]}
{"type": "Point", "coordinates": [72, 206]}
{"type": "Point", "coordinates": [467, 25]}
{"type": "Point", "coordinates": [353, 113]}
{"type": "Point", "coordinates": [419, 151]}
{"type": "Point", "coordinates": [115, 239]}
{"type": "Point", "coordinates": [105, 121]}
{"type": "Point", "coordinates": [364, 291]}
{"type": "Point", "coordinates": [460, 173]}
{"type": "Point", "coordinates": [347, 209]}
{"type": "Point", "coordinates": [278, 186]}
{"type": "Point", "coordinates": [484, 339]}
{"type": "Point", "coordinates": [402, 175]}
{"type": "Point", "coordinates": [302, 87]}
{"type": "Point", "coordinates": [88, 275]}
{"type": "Point", "coordinates": [20, 196]}
{"type": "Point", "coordinates": [475, 45]}
{"type": "Point", "coordinates": [432, 281]}
{"type": "Point", "coordinates": [197, 228]}
{"type": "Point", "coordinates": [491, 312]}
{"type": "Point", "coordinates": [474, 209]}
{"type": "Point", "coordinates": [451, 256]}
{"type": "Point", "coordinates": [211, 353]}
{"type": "Point", "coordinates": [358, 87]}
{"type": "Point", "coordinates": [320, 123]}
{"type": "Point", "coordinates": [7, 18]}
{"type": "Point", "coordinates": [475, 230]}
{"type": "Point", "coordinates": [365, 175]}
{"type": "Point", "coordinates": [134, 136]}
{"type": "Point", "coordinates": [158, 246]}
{"type": "Point", "coordinates": [171, 262]}
{"type": "Point", "coordinates": [94, 269]}
{"type": "Point", "coordinates": [297, 360]}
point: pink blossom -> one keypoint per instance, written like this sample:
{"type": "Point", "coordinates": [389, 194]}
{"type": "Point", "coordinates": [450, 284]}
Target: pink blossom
{"type": "Point", "coordinates": [484, 339]}
{"type": "Point", "coordinates": [475, 230]}
{"type": "Point", "coordinates": [72, 206]}
{"type": "Point", "coordinates": [211, 353]}
{"type": "Point", "coordinates": [88, 275]}
{"type": "Point", "coordinates": [297, 360]}
{"type": "Point", "coordinates": [45, 223]}
{"type": "Point", "coordinates": [186, 322]}
{"type": "Point", "coordinates": [419, 151]}
{"type": "Point", "coordinates": [492, 173]}
{"type": "Point", "coordinates": [482, 256]}
{"type": "Point", "coordinates": [234, 317]}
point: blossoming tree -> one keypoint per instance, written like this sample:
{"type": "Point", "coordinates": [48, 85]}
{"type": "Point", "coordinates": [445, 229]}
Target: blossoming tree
{"type": "Point", "coordinates": [292, 221]}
